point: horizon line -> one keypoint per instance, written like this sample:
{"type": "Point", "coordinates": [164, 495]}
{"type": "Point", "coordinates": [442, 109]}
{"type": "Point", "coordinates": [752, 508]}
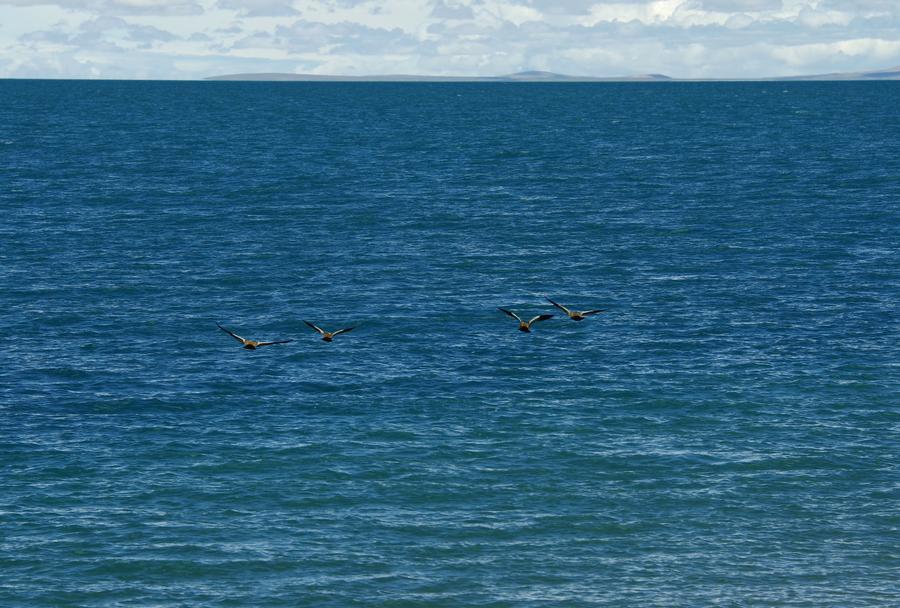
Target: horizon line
{"type": "Point", "coordinates": [527, 76]}
{"type": "Point", "coordinates": [892, 73]}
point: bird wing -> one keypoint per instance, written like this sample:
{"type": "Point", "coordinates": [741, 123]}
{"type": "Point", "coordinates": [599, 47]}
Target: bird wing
{"type": "Point", "coordinates": [592, 312]}
{"type": "Point", "coordinates": [274, 342]}
{"type": "Point", "coordinates": [316, 327]}
{"type": "Point", "coordinates": [559, 306]}
{"type": "Point", "coordinates": [540, 318]}
{"type": "Point", "coordinates": [510, 313]}
{"type": "Point", "coordinates": [343, 331]}
{"type": "Point", "coordinates": [232, 334]}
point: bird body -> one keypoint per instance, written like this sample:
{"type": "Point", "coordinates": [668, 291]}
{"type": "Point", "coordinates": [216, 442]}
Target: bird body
{"type": "Point", "coordinates": [575, 315]}
{"type": "Point", "coordinates": [251, 344]}
{"type": "Point", "coordinates": [525, 325]}
{"type": "Point", "coordinates": [328, 336]}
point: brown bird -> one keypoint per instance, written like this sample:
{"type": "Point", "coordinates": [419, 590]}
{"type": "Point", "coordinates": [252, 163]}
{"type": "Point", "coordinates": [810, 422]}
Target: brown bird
{"type": "Point", "coordinates": [328, 336]}
{"type": "Point", "coordinates": [251, 344]}
{"type": "Point", "coordinates": [525, 326]}
{"type": "Point", "coordinates": [575, 315]}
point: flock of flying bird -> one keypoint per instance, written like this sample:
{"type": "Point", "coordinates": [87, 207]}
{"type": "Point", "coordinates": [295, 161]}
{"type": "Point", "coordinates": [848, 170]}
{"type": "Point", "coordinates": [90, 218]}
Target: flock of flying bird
{"type": "Point", "coordinates": [328, 336]}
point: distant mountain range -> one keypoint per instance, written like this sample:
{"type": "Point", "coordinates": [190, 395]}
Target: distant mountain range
{"type": "Point", "coordinates": [531, 76]}
{"type": "Point", "coordinates": [888, 74]}
{"type": "Point", "coordinates": [537, 76]}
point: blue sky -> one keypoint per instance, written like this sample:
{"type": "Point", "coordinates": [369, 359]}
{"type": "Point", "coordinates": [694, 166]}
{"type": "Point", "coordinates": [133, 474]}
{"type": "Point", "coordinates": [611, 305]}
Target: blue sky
{"type": "Point", "coordinates": [185, 39]}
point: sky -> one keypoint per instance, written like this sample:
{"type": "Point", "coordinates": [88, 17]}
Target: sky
{"type": "Point", "coordinates": [191, 39]}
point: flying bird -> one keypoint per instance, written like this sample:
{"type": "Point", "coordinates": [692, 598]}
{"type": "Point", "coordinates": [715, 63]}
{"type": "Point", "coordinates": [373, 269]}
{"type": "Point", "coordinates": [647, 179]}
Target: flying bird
{"type": "Point", "coordinates": [525, 326]}
{"type": "Point", "coordinates": [251, 344]}
{"type": "Point", "coordinates": [328, 336]}
{"type": "Point", "coordinates": [575, 315]}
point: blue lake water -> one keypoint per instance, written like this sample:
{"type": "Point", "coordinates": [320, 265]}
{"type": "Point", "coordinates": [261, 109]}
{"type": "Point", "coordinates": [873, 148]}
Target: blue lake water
{"type": "Point", "coordinates": [725, 434]}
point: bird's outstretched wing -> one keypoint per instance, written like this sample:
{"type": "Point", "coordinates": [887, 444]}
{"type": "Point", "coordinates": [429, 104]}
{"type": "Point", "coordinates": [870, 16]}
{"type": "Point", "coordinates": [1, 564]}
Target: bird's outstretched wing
{"type": "Point", "coordinates": [343, 331]}
{"type": "Point", "coordinates": [559, 306]}
{"type": "Point", "coordinates": [232, 334]}
{"type": "Point", "coordinates": [510, 313]}
{"type": "Point", "coordinates": [274, 342]}
{"type": "Point", "coordinates": [592, 312]}
{"type": "Point", "coordinates": [315, 327]}
{"type": "Point", "coordinates": [540, 318]}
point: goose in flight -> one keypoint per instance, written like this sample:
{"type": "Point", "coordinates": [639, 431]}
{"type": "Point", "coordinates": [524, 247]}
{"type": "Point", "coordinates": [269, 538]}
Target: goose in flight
{"type": "Point", "coordinates": [328, 336]}
{"type": "Point", "coordinates": [575, 315]}
{"type": "Point", "coordinates": [525, 326]}
{"type": "Point", "coordinates": [251, 344]}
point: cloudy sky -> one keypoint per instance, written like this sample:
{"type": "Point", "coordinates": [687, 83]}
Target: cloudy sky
{"type": "Point", "coordinates": [185, 39]}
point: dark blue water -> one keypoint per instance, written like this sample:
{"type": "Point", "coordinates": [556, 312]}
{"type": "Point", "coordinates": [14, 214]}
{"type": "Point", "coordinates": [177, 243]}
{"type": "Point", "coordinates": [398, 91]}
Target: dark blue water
{"type": "Point", "coordinates": [726, 434]}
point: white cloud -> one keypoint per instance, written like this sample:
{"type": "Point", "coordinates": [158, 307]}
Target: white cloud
{"type": "Point", "coordinates": [445, 9]}
{"type": "Point", "coordinates": [118, 7]}
{"type": "Point", "coordinates": [825, 54]}
{"type": "Point", "coordinates": [819, 18]}
{"type": "Point", "coordinates": [685, 38]}
{"type": "Point", "coordinates": [739, 21]}
{"type": "Point", "coordinates": [739, 6]}
{"type": "Point", "coordinates": [260, 8]}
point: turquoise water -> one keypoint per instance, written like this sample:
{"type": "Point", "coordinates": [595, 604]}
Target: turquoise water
{"type": "Point", "coordinates": [726, 434]}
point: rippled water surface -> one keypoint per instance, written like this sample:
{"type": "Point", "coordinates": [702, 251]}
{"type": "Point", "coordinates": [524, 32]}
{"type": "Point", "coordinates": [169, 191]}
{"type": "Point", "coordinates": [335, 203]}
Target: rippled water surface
{"type": "Point", "coordinates": [725, 434]}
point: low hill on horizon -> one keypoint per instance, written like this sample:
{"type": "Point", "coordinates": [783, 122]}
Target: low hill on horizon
{"type": "Point", "coordinates": [541, 76]}
{"type": "Point", "coordinates": [886, 74]}
{"type": "Point", "coordinates": [528, 76]}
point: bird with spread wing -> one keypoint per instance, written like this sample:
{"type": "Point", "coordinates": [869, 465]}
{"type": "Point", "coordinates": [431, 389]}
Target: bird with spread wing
{"type": "Point", "coordinates": [525, 325]}
{"type": "Point", "coordinates": [328, 336]}
{"type": "Point", "coordinates": [251, 344]}
{"type": "Point", "coordinates": [575, 315]}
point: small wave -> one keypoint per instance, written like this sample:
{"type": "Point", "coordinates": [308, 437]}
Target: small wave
{"type": "Point", "coordinates": [512, 154]}
{"type": "Point", "coordinates": [64, 373]}
{"type": "Point", "coordinates": [538, 197]}
{"type": "Point", "coordinates": [672, 277]}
